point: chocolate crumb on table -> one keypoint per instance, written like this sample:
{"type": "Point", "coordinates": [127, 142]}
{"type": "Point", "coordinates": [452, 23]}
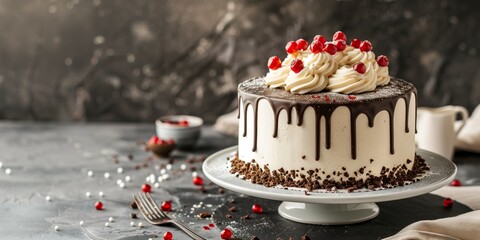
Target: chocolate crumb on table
{"type": "Point", "coordinates": [232, 209]}
{"type": "Point", "coordinates": [133, 204]}
{"type": "Point", "coordinates": [133, 215]}
{"type": "Point", "coordinates": [245, 217]}
{"type": "Point", "coordinates": [254, 238]}
{"type": "Point", "coordinates": [204, 215]}
{"type": "Point", "coordinates": [305, 237]}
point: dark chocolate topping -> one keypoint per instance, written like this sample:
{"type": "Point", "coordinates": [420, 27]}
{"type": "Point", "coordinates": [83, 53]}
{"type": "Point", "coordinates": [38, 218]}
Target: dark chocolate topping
{"type": "Point", "coordinates": [383, 98]}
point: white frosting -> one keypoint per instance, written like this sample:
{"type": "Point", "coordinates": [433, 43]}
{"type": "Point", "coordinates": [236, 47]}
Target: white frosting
{"type": "Point", "coordinates": [346, 80]}
{"type": "Point", "coordinates": [383, 78]}
{"type": "Point", "coordinates": [276, 78]}
{"type": "Point", "coordinates": [322, 63]}
{"type": "Point", "coordinates": [355, 56]}
{"type": "Point", "coordinates": [341, 57]}
{"type": "Point", "coordinates": [305, 81]}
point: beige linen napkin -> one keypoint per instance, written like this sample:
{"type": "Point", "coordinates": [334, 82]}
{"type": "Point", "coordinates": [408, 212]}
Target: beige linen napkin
{"type": "Point", "coordinates": [227, 124]}
{"type": "Point", "coordinates": [469, 137]}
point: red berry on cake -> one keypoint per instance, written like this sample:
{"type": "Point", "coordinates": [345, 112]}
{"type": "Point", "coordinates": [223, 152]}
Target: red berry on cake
{"type": "Point", "coordinates": [166, 206]}
{"type": "Point", "coordinates": [339, 35]}
{"type": "Point", "coordinates": [355, 43]}
{"type": "Point", "coordinates": [226, 234]}
{"type": "Point", "coordinates": [301, 44]}
{"type": "Point", "coordinates": [366, 46]}
{"type": "Point", "coordinates": [99, 205]}
{"type": "Point", "coordinates": [456, 183]}
{"type": "Point", "coordinates": [198, 181]}
{"type": "Point", "coordinates": [291, 47]}
{"type": "Point", "coordinates": [146, 188]}
{"type": "Point", "coordinates": [330, 48]}
{"type": "Point", "coordinates": [382, 61]}
{"type": "Point", "coordinates": [447, 203]}
{"type": "Point", "coordinates": [319, 38]}
{"type": "Point", "coordinates": [360, 68]}
{"type": "Point", "coordinates": [316, 47]}
{"type": "Point", "coordinates": [167, 236]}
{"type": "Point", "coordinates": [274, 63]}
{"type": "Point", "coordinates": [296, 65]}
{"type": "Point", "coordinates": [340, 44]}
{"type": "Point", "coordinates": [256, 208]}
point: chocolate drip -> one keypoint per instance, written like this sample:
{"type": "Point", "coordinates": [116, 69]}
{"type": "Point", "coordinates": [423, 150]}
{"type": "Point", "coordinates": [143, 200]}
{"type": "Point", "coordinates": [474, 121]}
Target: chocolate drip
{"type": "Point", "coordinates": [370, 106]}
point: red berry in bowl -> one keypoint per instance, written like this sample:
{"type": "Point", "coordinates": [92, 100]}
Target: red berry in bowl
{"type": "Point", "coordinates": [339, 35]}
{"type": "Point", "coordinates": [198, 181]}
{"type": "Point", "coordinates": [456, 183]}
{"type": "Point", "coordinates": [355, 43]}
{"type": "Point", "coordinates": [256, 208]}
{"type": "Point", "coordinates": [167, 236]}
{"type": "Point", "coordinates": [166, 206]}
{"type": "Point", "coordinates": [316, 47]}
{"type": "Point", "coordinates": [330, 48]}
{"type": "Point", "coordinates": [183, 123]}
{"type": "Point", "coordinates": [366, 46]}
{"type": "Point", "coordinates": [153, 140]}
{"type": "Point", "coordinates": [99, 205]}
{"type": "Point", "coordinates": [340, 44]}
{"type": "Point", "coordinates": [382, 61]}
{"type": "Point", "coordinates": [146, 188]}
{"type": "Point", "coordinates": [360, 67]}
{"type": "Point", "coordinates": [296, 65]}
{"type": "Point", "coordinates": [274, 63]}
{"type": "Point", "coordinates": [301, 44]}
{"type": "Point", "coordinates": [291, 47]}
{"type": "Point", "coordinates": [319, 38]}
{"type": "Point", "coordinates": [447, 203]}
{"type": "Point", "coordinates": [226, 234]}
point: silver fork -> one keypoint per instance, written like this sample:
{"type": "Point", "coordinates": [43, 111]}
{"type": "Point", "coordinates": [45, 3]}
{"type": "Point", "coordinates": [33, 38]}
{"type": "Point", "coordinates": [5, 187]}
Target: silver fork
{"type": "Point", "coordinates": [156, 216]}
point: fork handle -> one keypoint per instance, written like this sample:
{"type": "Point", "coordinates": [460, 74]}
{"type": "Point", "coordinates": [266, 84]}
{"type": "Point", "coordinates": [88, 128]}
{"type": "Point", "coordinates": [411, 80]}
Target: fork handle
{"type": "Point", "coordinates": [187, 230]}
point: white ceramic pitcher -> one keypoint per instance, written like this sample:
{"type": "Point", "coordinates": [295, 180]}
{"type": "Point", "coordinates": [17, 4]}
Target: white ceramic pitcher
{"type": "Point", "coordinates": [436, 131]}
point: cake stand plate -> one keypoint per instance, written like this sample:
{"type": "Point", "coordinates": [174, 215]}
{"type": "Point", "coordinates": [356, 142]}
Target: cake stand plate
{"type": "Point", "coordinates": [329, 208]}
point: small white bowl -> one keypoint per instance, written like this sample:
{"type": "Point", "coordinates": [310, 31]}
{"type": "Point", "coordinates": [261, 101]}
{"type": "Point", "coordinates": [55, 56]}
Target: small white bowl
{"type": "Point", "coordinates": [184, 136]}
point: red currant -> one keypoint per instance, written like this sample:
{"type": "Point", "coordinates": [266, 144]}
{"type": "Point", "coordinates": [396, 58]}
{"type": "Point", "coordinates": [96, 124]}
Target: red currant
{"type": "Point", "coordinates": [456, 183]}
{"type": "Point", "coordinates": [183, 123]}
{"type": "Point", "coordinates": [382, 61]}
{"type": "Point", "coordinates": [198, 181]}
{"type": "Point", "coordinates": [366, 46]}
{"type": "Point", "coordinates": [274, 63]}
{"type": "Point", "coordinates": [319, 38]}
{"type": "Point", "coordinates": [167, 236]}
{"type": "Point", "coordinates": [256, 208]}
{"type": "Point", "coordinates": [340, 44]}
{"type": "Point", "coordinates": [211, 225]}
{"type": "Point", "coordinates": [330, 48]}
{"type": "Point", "coordinates": [146, 188]}
{"type": "Point", "coordinates": [99, 205]}
{"type": "Point", "coordinates": [355, 43]}
{"type": "Point", "coordinates": [291, 47]}
{"type": "Point", "coordinates": [226, 234]}
{"type": "Point", "coordinates": [316, 47]}
{"type": "Point", "coordinates": [206, 228]}
{"type": "Point", "coordinates": [301, 44]}
{"type": "Point", "coordinates": [360, 68]}
{"type": "Point", "coordinates": [447, 203]}
{"type": "Point", "coordinates": [339, 36]}
{"type": "Point", "coordinates": [296, 65]}
{"type": "Point", "coordinates": [153, 140]}
{"type": "Point", "coordinates": [166, 206]}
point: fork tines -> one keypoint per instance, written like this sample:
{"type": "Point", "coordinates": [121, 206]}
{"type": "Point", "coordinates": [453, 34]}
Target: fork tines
{"type": "Point", "coordinates": [148, 207]}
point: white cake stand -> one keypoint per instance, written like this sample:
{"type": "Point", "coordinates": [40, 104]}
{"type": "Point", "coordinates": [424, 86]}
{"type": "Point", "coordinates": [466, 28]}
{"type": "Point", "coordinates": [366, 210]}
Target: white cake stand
{"type": "Point", "coordinates": [329, 208]}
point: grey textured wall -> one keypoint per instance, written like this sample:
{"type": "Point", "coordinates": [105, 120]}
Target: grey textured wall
{"type": "Point", "coordinates": [127, 60]}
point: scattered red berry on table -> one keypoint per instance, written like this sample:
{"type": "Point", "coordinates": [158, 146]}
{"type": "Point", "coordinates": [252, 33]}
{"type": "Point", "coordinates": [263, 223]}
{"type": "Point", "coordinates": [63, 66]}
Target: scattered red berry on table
{"type": "Point", "coordinates": [316, 47]}
{"type": "Point", "coordinates": [296, 65]}
{"type": "Point", "coordinates": [99, 205]}
{"type": "Point", "coordinates": [274, 63]}
{"type": "Point", "coordinates": [366, 46]}
{"type": "Point", "coordinates": [146, 188]}
{"type": "Point", "coordinates": [456, 183]}
{"type": "Point", "coordinates": [256, 208]}
{"type": "Point", "coordinates": [226, 233]}
{"type": "Point", "coordinates": [206, 228]}
{"type": "Point", "coordinates": [330, 48]}
{"type": "Point", "coordinates": [291, 47]}
{"type": "Point", "coordinates": [340, 44]}
{"type": "Point", "coordinates": [198, 181]}
{"type": "Point", "coordinates": [167, 236]}
{"type": "Point", "coordinates": [447, 203]}
{"type": "Point", "coordinates": [211, 225]}
{"type": "Point", "coordinates": [302, 44]}
{"type": "Point", "coordinates": [355, 43]}
{"type": "Point", "coordinates": [382, 61]}
{"type": "Point", "coordinates": [360, 68]}
{"type": "Point", "coordinates": [319, 38]}
{"type": "Point", "coordinates": [166, 206]}
{"type": "Point", "coordinates": [339, 36]}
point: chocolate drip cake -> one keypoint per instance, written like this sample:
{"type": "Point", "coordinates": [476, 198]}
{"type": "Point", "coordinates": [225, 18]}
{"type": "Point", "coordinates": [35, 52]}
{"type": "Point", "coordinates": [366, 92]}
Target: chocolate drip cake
{"type": "Point", "coordinates": [335, 122]}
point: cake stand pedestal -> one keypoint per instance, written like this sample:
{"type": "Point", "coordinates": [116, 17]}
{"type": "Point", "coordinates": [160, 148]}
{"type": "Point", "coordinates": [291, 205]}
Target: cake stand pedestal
{"type": "Point", "coordinates": [329, 208]}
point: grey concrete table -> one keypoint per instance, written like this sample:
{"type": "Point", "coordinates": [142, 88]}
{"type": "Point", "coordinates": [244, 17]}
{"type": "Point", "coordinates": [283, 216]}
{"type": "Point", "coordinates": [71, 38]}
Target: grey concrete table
{"type": "Point", "coordinates": [53, 159]}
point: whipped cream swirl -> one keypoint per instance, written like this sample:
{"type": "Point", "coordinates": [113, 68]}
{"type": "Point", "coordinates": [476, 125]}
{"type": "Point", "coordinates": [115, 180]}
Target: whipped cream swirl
{"type": "Point", "coordinates": [276, 78]}
{"type": "Point", "coordinates": [305, 81]}
{"type": "Point", "coordinates": [341, 57]}
{"type": "Point", "coordinates": [355, 56]}
{"type": "Point", "coordinates": [346, 80]}
{"type": "Point", "coordinates": [383, 78]}
{"type": "Point", "coordinates": [322, 63]}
